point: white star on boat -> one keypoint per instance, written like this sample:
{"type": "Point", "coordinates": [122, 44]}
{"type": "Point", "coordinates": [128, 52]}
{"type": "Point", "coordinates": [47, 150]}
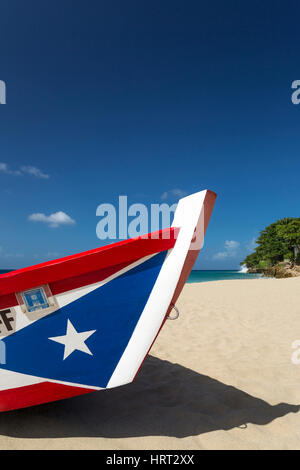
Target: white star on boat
{"type": "Point", "coordinates": [73, 340]}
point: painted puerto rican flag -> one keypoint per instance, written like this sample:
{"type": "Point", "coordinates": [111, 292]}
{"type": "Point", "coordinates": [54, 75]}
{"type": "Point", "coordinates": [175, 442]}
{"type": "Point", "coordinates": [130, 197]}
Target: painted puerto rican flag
{"type": "Point", "coordinates": [86, 322]}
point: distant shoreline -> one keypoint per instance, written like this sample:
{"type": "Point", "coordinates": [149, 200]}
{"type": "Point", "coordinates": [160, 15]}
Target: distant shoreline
{"type": "Point", "coordinates": [207, 275]}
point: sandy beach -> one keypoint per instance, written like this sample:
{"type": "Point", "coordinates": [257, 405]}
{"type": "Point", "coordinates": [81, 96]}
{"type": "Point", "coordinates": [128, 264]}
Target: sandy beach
{"type": "Point", "coordinates": [219, 377]}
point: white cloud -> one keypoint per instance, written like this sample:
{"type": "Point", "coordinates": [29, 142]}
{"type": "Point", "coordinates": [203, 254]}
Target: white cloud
{"type": "Point", "coordinates": [179, 193]}
{"type": "Point", "coordinates": [3, 254]}
{"type": "Point", "coordinates": [231, 247]}
{"type": "Point", "coordinates": [13, 255]}
{"type": "Point", "coordinates": [53, 220]}
{"type": "Point", "coordinates": [34, 171]}
{"type": "Point", "coordinates": [50, 255]}
{"type": "Point", "coordinates": [26, 169]}
{"type": "Point", "coordinates": [221, 255]}
{"type": "Point", "coordinates": [251, 245]}
{"type": "Point", "coordinates": [5, 169]}
{"type": "Point", "coordinates": [53, 255]}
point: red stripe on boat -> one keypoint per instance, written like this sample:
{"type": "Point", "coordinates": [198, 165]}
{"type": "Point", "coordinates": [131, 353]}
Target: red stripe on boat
{"type": "Point", "coordinates": [30, 395]}
{"type": "Point", "coordinates": [84, 268]}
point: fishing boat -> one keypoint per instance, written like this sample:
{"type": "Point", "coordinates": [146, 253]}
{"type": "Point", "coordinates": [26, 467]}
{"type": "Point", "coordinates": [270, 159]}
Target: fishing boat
{"type": "Point", "coordinates": [86, 322]}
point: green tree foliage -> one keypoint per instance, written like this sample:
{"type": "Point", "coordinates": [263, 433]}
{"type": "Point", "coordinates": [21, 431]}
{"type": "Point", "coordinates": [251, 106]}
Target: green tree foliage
{"type": "Point", "coordinates": [275, 243]}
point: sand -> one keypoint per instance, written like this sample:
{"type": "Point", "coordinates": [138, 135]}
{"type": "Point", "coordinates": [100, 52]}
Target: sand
{"type": "Point", "coordinates": [219, 377]}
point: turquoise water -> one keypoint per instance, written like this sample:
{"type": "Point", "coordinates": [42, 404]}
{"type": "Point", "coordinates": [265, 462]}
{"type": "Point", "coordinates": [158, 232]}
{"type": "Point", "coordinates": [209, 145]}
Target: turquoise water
{"type": "Point", "coordinates": [205, 276]}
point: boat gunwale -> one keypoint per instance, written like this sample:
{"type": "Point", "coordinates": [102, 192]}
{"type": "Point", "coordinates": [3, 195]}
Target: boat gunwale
{"type": "Point", "coordinates": [124, 251]}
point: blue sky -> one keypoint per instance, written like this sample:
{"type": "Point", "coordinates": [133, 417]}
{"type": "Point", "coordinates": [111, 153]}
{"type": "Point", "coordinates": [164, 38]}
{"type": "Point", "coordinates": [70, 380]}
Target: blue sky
{"type": "Point", "coordinates": [141, 98]}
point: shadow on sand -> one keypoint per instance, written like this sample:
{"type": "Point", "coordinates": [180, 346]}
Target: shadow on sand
{"type": "Point", "coordinates": [165, 400]}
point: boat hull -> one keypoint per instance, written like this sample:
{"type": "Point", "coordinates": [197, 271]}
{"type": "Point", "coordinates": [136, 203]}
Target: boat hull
{"type": "Point", "coordinates": [87, 322]}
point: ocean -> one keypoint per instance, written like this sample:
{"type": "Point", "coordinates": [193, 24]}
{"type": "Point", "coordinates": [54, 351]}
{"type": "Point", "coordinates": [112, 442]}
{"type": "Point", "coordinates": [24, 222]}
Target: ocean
{"type": "Point", "coordinates": [221, 275]}
{"type": "Point", "coordinates": [205, 276]}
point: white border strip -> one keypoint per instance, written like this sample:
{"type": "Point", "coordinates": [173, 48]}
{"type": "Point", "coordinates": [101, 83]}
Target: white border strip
{"type": "Point", "coordinates": [189, 212]}
{"type": "Point", "coordinates": [10, 380]}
